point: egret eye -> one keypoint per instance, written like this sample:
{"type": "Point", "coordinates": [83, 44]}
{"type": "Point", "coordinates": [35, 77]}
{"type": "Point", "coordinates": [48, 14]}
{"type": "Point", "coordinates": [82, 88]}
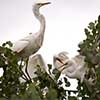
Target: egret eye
{"type": "Point", "coordinates": [39, 4]}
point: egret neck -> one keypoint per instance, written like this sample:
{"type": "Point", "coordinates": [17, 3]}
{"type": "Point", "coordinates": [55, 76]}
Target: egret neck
{"type": "Point", "coordinates": [41, 19]}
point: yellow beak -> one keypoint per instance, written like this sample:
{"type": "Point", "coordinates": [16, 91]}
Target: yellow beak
{"type": "Point", "coordinates": [45, 3]}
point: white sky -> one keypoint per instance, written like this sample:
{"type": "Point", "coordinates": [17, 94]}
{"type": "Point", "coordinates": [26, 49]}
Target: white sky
{"type": "Point", "coordinates": [65, 23]}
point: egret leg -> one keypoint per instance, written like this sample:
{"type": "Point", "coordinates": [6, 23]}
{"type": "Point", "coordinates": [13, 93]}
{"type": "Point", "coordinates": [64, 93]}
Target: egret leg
{"type": "Point", "coordinates": [26, 69]}
{"type": "Point", "coordinates": [24, 77]}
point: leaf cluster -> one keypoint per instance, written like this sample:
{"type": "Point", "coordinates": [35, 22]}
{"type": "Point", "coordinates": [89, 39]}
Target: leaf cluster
{"type": "Point", "coordinates": [9, 81]}
{"type": "Point", "coordinates": [45, 86]}
{"type": "Point", "coordinates": [90, 49]}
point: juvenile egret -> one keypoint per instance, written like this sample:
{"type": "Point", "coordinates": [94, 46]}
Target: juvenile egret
{"type": "Point", "coordinates": [33, 61]}
{"type": "Point", "coordinates": [73, 68]}
{"type": "Point", "coordinates": [31, 44]}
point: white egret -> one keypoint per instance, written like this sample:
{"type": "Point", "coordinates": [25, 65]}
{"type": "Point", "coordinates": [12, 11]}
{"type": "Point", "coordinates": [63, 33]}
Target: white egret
{"type": "Point", "coordinates": [33, 61]}
{"type": "Point", "coordinates": [73, 68]}
{"type": "Point", "coordinates": [32, 43]}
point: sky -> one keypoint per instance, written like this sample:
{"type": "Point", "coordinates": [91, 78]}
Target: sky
{"type": "Point", "coordinates": [65, 23]}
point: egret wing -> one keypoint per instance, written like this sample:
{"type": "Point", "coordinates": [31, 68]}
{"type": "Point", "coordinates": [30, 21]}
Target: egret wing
{"type": "Point", "coordinates": [32, 65]}
{"type": "Point", "coordinates": [19, 46]}
{"type": "Point", "coordinates": [37, 60]}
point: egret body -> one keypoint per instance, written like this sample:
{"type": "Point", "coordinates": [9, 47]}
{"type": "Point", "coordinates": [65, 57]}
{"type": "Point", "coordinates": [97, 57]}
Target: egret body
{"type": "Point", "coordinates": [75, 68]}
{"type": "Point", "coordinates": [32, 43]}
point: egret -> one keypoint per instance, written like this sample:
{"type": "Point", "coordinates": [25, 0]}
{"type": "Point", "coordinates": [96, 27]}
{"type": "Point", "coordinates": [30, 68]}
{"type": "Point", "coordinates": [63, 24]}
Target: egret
{"type": "Point", "coordinates": [32, 43]}
{"type": "Point", "coordinates": [73, 68]}
{"type": "Point", "coordinates": [33, 62]}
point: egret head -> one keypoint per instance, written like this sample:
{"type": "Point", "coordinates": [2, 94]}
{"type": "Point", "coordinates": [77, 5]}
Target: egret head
{"type": "Point", "coordinates": [60, 60]}
{"type": "Point", "coordinates": [40, 4]}
{"type": "Point", "coordinates": [36, 7]}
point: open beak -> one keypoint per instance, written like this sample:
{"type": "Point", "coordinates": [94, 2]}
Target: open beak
{"type": "Point", "coordinates": [45, 3]}
{"type": "Point", "coordinates": [62, 67]}
{"type": "Point", "coordinates": [56, 58]}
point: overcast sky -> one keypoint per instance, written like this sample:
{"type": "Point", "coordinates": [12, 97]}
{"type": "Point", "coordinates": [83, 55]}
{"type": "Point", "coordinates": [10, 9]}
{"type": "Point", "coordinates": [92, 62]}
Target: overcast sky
{"type": "Point", "coordinates": [65, 23]}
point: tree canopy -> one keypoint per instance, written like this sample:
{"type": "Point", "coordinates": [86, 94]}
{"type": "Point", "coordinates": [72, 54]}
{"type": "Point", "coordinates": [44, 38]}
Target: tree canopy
{"type": "Point", "coordinates": [44, 86]}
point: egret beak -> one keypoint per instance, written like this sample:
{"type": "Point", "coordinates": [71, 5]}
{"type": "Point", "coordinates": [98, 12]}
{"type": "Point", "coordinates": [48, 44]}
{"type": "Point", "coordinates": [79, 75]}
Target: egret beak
{"type": "Point", "coordinates": [56, 58]}
{"type": "Point", "coordinates": [45, 3]}
{"type": "Point", "coordinates": [62, 67]}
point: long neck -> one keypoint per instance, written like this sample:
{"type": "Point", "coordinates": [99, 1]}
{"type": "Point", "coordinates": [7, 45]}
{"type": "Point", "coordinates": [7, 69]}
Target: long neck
{"type": "Point", "coordinates": [41, 19]}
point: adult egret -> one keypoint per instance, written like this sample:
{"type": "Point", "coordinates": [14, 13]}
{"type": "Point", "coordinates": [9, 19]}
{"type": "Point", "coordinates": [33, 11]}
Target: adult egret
{"type": "Point", "coordinates": [32, 43]}
{"type": "Point", "coordinates": [73, 68]}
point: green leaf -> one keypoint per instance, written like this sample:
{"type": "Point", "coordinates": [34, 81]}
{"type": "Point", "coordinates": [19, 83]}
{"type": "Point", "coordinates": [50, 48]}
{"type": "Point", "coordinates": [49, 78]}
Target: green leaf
{"type": "Point", "coordinates": [91, 25]}
{"type": "Point", "coordinates": [52, 94]}
{"type": "Point", "coordinates": [56, 73]}
{"type": "Point", "coordinates": [32, 93]}
{"type": "Point", "coordinates": [49, 66]}
{"type": "Point", "coordinates": [67, 84]}
{"type": "Point", "coordinates": [3, 99]}
{"type": "Point", "coordinates": [7, 43]}
{"type": "Point", "coordinates": [72, 98]}
{"type": "Point", "coordinates": [86, 32]}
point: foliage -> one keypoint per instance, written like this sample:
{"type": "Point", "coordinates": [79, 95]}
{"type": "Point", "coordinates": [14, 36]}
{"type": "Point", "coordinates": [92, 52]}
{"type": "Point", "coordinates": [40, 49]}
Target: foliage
{"type": "Point", "coordinates": [44, 86]}
{"type": "Point", "coordinates": [9, 82]}
{"type": "Point", "coordinates": [47, 85]}
{"type": "Point", "coordinates": [90, 48]}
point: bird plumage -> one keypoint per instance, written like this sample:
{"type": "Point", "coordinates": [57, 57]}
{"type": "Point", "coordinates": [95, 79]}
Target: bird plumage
{"type": "Point", "coordinates": [33, 62]}
{"type": "Point", "coordinates": [73, 68]}
{"type": "Point", "coordinates": [32, 43]}
{"type": "Point", "coordinates": [27, 46]}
